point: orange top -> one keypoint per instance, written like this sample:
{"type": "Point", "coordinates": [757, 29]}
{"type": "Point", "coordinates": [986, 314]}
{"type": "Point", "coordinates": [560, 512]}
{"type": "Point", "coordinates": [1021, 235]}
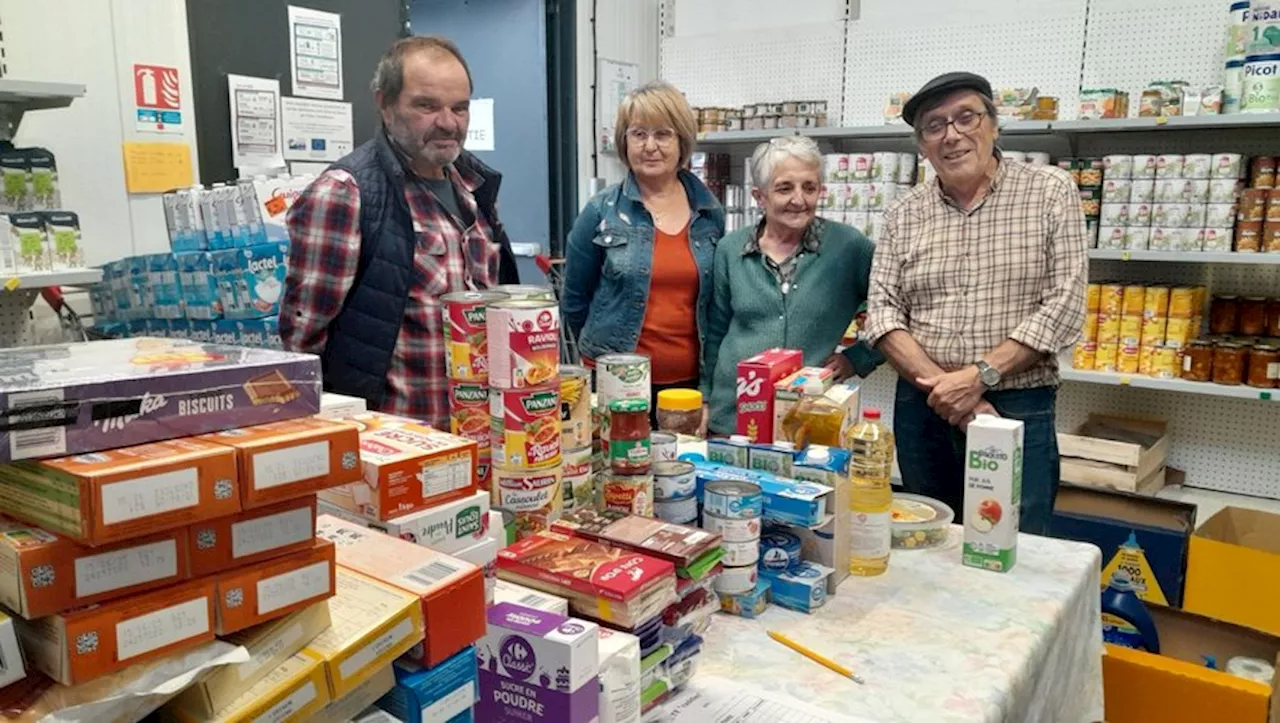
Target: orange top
{"type": "Point", "coordinates": [669, 334]}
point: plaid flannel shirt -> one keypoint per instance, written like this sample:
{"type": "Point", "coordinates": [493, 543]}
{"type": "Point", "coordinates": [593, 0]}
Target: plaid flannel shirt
{"type": "Point", "coordinates": [961, 282]}
{"type": "Point", "coordinates": [324, 252]}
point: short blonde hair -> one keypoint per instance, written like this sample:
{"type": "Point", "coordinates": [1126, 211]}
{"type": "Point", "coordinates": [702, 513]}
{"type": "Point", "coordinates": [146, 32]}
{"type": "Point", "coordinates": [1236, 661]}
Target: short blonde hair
{"type": "Point", "coordinates": [658, 103]}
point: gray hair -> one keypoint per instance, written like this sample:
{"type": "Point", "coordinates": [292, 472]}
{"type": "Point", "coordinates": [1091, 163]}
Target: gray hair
{"type": "Point", "coordinates": [988, 104]}
{"type": "Point", "coordinates": [388, 76]}
{"type": "Point", "coordinates": [767, 156]}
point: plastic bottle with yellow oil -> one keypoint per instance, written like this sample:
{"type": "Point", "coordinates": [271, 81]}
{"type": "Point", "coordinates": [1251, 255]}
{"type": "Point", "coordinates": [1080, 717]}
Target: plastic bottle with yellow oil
{"type": "Point", "coordinates": [814, 419]}
{"type": "Point", "coordinates": [870, 446]}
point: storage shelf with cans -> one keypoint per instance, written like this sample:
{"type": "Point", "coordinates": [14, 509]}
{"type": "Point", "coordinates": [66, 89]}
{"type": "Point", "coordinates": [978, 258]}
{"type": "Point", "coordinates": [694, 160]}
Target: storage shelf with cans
{"type": "Point", "coordinates": [1139, 381]}
{"type": "Point", "coordinates": [1192, 257]}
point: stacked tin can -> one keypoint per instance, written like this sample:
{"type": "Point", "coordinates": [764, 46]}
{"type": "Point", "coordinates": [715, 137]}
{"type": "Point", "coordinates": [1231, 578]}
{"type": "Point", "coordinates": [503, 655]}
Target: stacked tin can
{"type": "Point", "coordinates": [467, 365]}
{"type": "Point", "coordinates": [734, 509]}
{"type": "Point", "coordinates": [524, 406]}
{"type": "Point", "coordinates": [577, 488]}
{"type": "Point", "coordinates": [858, 187]}
{"type": "Point", "coordinates": [675, 490]}
{"type": "Point", "coordinates": [622, 395]}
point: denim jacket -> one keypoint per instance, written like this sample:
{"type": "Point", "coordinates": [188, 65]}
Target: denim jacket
{"type": "Point", "coordinates": [609, 261]}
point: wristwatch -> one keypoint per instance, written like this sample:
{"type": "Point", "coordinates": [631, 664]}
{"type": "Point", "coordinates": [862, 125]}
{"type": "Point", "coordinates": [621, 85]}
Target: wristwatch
{"type": "Point", "coordinates": [989, 375]}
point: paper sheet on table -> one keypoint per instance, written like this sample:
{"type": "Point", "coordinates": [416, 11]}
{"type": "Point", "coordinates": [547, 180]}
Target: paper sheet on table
{"type": "Point", "coordinates": [708, 699]}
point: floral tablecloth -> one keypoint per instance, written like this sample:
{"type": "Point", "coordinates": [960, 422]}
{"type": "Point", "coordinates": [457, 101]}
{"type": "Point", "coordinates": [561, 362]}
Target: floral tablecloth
{"type": "Point", "coordinates": [938, 642]}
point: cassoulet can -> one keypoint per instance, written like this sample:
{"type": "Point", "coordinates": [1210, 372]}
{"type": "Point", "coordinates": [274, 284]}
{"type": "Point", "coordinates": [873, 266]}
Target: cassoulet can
{"type": "Point", "coordinates": [1153, 330]}
{"type": "Point", "coordinates": [1146, 353]}
{"type": "Point", "coordinates": [1164, 362]}
{"type": "Point", "coordinates": [1093, 298]}
{"type": "Point", "coordinates": [1090, 330]}
{"type": "Point", "coordinates": [1155, 302]}
{"type": "Point", "coordinates": [525, 427]}
{"type": "Point", "coordinates": [1130, 330]}
{"type": "Point", "coordinates": [575, 406]}
{"type": "Point", "coordinates": [466, 345]}
{"type": "Point", "coordinates": [524, 343]}
{"type": "Point", "coordinates": [576, 487]}
{"type": "Point", "coordinates": [532, 495]}
{"type": "Point", "coordinates": [629, 493]}
{"type": "Point", "coordinates": [1127, 359]}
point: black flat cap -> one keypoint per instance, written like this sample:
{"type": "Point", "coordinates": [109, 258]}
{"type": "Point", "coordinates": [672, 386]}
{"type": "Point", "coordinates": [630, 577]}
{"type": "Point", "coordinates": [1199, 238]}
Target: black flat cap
{"type": "Point", "coordinates": [940, 86]}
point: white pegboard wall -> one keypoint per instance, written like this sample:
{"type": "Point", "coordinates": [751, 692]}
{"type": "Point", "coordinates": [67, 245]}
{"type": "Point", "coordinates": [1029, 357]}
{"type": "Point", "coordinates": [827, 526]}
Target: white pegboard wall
{"type": "Point", "coordinates": [1013, 43]}
{"type": "Point", "coordinates": [801, 62]}
{"type": "Point", "coordinates": [1131, 43]}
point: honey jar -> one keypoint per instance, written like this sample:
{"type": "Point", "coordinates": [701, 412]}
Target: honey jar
{"type": "Point", "coordinates": [1197, 363]}
{"type": "Point", "coordinates": [1229, 360]}
{"type": "Point", "coordinates": [1264, 366]}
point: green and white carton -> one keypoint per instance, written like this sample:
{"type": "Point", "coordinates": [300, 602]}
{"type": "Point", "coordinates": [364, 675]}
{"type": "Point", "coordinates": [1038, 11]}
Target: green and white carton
{"type": "Point", "coordinates": [992, 492]}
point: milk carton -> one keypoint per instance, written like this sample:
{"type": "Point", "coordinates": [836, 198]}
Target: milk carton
{"type": "Point", "coordinates": [992, 492]}
{"type": "Point", "coordinates": [538, 666]}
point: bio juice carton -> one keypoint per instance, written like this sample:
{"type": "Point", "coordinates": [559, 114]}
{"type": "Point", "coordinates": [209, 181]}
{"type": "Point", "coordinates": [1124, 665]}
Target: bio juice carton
{"type": "Point", "coordinates": [992, 492]}
{"type": "Point", "coordinates": [756, 378]}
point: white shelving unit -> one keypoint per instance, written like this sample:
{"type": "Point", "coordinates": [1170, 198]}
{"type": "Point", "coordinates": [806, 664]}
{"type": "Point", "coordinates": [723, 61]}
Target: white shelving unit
{"type": "Point", "coordinates": [1137, 381]}
{"type": "Point", "coordinates": [1186, 257]}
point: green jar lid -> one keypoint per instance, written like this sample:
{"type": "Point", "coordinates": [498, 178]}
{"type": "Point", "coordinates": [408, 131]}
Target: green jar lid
{"type": "Point", "coordinates": [629, 405]}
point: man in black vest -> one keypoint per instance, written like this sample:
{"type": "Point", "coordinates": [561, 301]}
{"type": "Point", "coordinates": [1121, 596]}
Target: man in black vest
{"type": "Point", "coordinates": [385, 231]}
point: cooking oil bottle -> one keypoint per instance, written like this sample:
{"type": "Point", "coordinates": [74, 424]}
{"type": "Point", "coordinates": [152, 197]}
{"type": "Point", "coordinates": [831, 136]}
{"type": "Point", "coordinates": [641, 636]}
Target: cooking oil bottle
{"type": "Point", "coordinates": [870, 446]}
{"type": "Point", "coordinates": [814, 419]}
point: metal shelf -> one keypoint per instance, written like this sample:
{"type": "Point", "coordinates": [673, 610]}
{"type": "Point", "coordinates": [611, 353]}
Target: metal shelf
{"type": "Point", "coordinates": [1170, 385]}
{"type": "Point", "coordinates": [42, 279]}
{"type": "Point", "coordinates": [896, 130]}
{"type": "Point", "coordinates": [19, 96]}
{"type": "Point", "coordinates": [1195, 122]}
{"type": "Point", "coordinates": [1192, 257]}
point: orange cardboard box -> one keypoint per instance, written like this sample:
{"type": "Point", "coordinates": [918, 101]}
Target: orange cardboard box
{"type": "Point", "coordinates": [274, 588]}
{"type": "Point", "coordinates": [284, 460]}
{"type": "Point", "coordinates": [118, 494]}
{"type": "Point", "coordinates": [83, 644]}
{"type": "Point", "coordinates": [252, 536]}
{"type": "Point", "coordinates": [42, 574]}
{"type": "Point", "coordinates": [452, 591]}
{"type": "Point", "coordinates": [407, 467]}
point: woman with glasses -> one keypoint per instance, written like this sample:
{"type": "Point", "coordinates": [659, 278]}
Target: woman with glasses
{"type": "Point", "coordinates": [638, 259]}
{"type": "Point", "coordinates": [793, 281]}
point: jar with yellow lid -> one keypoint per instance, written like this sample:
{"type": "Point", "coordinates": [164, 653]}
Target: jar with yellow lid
{"type": "Point", "coordinates": [680, 411]}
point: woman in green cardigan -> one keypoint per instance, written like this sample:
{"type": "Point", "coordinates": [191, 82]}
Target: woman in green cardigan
{"type": "Point", "coordinates": [793, 281]}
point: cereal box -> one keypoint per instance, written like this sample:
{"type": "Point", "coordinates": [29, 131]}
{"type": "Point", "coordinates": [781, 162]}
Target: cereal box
{"type": "Point", "coordinates": [290, 693]}
{"type": "Point", "coordinates": [254, 594]}
{"type": "Point", "coordinates": [42, 574]}
{"type": "Point", "coordinates": [433, 694]}
{"type": "Point", "coordinates": [408, 468]}
{"type": "Point", "coordinates": [373, 623]}
{"type": "Point", "coordinates": [451, 592]}
{"type": "Point", "coordinates": [252, 536]}
{"type": "Point", "coordinates": [757, 376]}
{"type": "Point", "coordinates": [348, 707]}
{"type": "Point", "coordinates": [447, 527]}
{"type": "Point", "coordinates": [83, 644]}
{"type": "Point", "coordinates": [538, 666]}
{"type": "Point", "coordinates": [295, 458]}
{"type": "Point", "coordinates": [64, 399]}
{"type": "Point", "coordinates": [103, 497]}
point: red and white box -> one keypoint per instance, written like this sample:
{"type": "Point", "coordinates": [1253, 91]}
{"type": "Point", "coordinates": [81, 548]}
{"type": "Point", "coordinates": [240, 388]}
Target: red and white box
{"type": "Point", "coordinates": [757, 376]}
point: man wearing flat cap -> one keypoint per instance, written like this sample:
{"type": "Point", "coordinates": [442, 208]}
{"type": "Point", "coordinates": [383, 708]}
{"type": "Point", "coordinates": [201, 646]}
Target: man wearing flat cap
{"type": "Point", "coordinates": [978, 283]}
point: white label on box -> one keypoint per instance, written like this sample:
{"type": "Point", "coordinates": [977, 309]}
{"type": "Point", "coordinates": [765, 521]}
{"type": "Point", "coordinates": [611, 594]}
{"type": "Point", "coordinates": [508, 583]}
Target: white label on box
{"type": "Point", "coordinates": [125, 568]}
{"type": "Point", "coordinates": [429, 574]}
{"type": "Point", "coordinates": [375, 648]}
{"type": "Point", "coordinates": [291, 464]}
{"type": "Point", "coordinates": [270, 532]}
{"type": "Point", "coordinates": [455, 702]}
{"type": "Point", "coordinates": [41, 441]}
{"type": "Point", "coordinates": [146, 496]}
{"type": "Point", "coordinates": [293, 587]}
{"type": "Point", "coordinates": [160, 628]}
{"type": "Point", "coordinates": [296, 701]}
{"type": "Point", "coordinates": [270, 650]}
{"type": "Point", "coordinates": [438, 479]}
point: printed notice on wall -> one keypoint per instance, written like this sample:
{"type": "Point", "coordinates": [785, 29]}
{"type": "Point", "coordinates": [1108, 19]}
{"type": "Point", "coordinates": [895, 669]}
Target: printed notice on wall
{"type": "Point", "coordinates": [480, 129]}
{"type": "Point", "coordinates": [315, 130]}
{"type": "Point", "coordinates": [616, 80]}
{"type": "Point", "coordinates": [255, 122]}
{"type": "Point", "coordinates": [315, 53]}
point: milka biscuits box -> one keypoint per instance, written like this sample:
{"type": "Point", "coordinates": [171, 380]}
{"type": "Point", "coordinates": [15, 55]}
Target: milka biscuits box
{"type": "Point", "coordinates": [349, 706]}
{"type": "Point", "coordinates": [290, 693]}
{"type": "Point", "coordinates": [252, 536]}
{"type": "Point", "coordinates": [408, 468]}
{"type": "Point", "coordinates": [448, 527]}
{"type": "Point", "coordinates": [293, 458]}
{"type": "Point", "coordinates": [274, 588]}
{"type": "Point", "coordinates": [102, 497]}
{"type": "Point", "coordinates": [538, 666]}
{"type": "Point", "coordinates": [42, 574]}
{"type": "Point", "coordinates": [451, 591]}
{"type": "Point", "coordinates": [373, 623]}
{"type": "Point", "coordinates": [83, 644]}
{"type": "Point", "coordinates": [269, 645]}
{"type": "Point", "coordinates": [427, 695]}
{"type": "Point", "coordinates": [78, 397]}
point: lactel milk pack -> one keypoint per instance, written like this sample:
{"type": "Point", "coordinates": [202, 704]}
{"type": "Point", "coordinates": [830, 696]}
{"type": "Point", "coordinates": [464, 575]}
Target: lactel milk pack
{"type": "Point", "coordinates": [538, 666]}
{"type": "Point", "coordinates": [992, 492]}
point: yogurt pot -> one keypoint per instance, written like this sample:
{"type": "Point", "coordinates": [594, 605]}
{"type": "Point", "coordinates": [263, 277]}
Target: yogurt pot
{"type": "Point", "coordinates": [856, 200]}
{"type": "Point", "coordinates": [835, 168]}
{"type": "Point", "coordinates": [1114, 214]}
{"type": "Point", "coordinates": [1223, 190]}
{"type": "Point", "coordinates": [1117, 167]}
{"type": "Point", "coordinates": [1170, 214]}
{"type": "Point", "coordinates": [906, 168]}
{"type": "Point", "coordinates": [1227, 166]}
{"type": "Point", "coordinates": [860, 167]}
{"type": "Point", "coordinates": [1144, 167]}
{"type": "Point", "coordinates": [1137, 238]}
{"type": "Point", "coordinates": [1195, 217]}
{"type": "Point", "coordinates": [1165, 238]}
{"type": "Point", "coordinates": [1142, 190]}
{"type": "Point", "coordinates": [1197, 166]}
{"type": "Point", "coordinates": [1191, 239]}
{"type": "Point", "coordinates": [1217, 239]}
{"type": "Point", "coordinates": [884, 167]}
{"type": "Point", "coordinates": [1172, 190]}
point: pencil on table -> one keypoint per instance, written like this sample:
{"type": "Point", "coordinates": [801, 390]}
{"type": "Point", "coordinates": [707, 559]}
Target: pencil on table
{"type": "Point", "coordinates": [819, 659]}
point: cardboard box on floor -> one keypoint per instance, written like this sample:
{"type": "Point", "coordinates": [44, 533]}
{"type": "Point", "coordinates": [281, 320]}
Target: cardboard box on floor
{"type": "Point", "coordinates": [1144, 536]}
{"type": "Point", "coordinates": [1233, 569]}
{"type": "Point", "coordinates": [1176, 687]}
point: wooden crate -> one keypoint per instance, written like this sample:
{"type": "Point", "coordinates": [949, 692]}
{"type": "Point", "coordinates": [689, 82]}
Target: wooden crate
{"type": "Point", "coordinates": [1116, 453]}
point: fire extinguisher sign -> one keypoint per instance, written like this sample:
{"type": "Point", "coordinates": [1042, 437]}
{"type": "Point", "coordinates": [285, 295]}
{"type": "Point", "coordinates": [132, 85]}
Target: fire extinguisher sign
{"type": "Point", "coordinates": [158, 98]}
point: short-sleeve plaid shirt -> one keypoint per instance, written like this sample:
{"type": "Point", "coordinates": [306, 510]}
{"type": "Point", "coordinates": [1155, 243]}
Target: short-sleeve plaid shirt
{"type": "Point", "coordinates": [961, 282]}
{"type": "Point", "coordinates": [324, 252]}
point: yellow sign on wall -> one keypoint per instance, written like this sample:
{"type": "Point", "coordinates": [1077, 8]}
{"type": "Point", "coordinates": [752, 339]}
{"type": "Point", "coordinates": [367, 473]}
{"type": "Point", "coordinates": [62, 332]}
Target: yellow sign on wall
{"type": "Point", "coordinates": [151, 167]}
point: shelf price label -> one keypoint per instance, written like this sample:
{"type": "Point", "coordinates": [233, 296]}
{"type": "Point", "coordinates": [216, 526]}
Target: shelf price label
{"type": "Point", "coordinates": [13, 283]}
{"type": "Point", "coordinates": [1124, 256]}
{"type": "Point", "coordinates": [1124, 381]}
{"type": "Point", "coordinates": [1162, 121]}
{"type": "Point", "coordinates": [1264, 396]}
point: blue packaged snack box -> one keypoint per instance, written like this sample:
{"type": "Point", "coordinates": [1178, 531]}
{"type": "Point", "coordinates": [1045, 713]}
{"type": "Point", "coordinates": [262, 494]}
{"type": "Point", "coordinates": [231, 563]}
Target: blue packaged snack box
{"type": "Point", "coordinates": [225, 332]}
{"type": "Point", "coordinates": [199, 289]}
{"type": "Point", "coordinates": [201, 331]}
{"type": "Point", "coordinates": [446, 692]}
{"type": "Point", "coordinates": [791, 502]}
{"type": "Point", "coordinates": [254, 280]}
{"type": "Point", "coordinates": [802, 588]}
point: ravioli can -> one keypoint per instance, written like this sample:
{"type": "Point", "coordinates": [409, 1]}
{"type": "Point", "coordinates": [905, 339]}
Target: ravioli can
{"type": "Point", "coordinates": [629, 493]}
{"type": "Point", "coordinates": [1105, 360]}
{"type": "Point", "coordinates": [575, 406]}
{"type": "Point", "coordinates": [1084, 355]}
{"type": "Point", "coordinates": [577, 490]}
{"type": "Point", "coordinates": [524, 343]}
{"type": "Point", "coordinates": [532, 495]}
{"type": "Point", "coordinates": [1182, 302]}
{"type": "Point", "coordinates": [1112, 299]}
{"type": "Point", "coordinates": [733, 498]}
{"type": "Point", "coordinates": [466, 343]}
{"type": "Point", "coordinates": [525, 427]}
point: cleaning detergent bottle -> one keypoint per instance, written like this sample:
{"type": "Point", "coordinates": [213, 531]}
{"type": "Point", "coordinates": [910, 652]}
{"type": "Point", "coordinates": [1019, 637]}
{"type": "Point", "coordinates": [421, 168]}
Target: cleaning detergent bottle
{"type": "Point", "coordinates": [1125, 619]}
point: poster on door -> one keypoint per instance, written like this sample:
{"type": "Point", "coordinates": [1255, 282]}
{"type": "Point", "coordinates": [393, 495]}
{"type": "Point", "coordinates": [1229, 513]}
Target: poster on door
{"type": "Point", "coordinates": [157, 98]}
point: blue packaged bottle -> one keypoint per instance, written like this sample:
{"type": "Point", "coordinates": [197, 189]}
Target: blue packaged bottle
{"type": "Point", "coordinates": [1125, 619]}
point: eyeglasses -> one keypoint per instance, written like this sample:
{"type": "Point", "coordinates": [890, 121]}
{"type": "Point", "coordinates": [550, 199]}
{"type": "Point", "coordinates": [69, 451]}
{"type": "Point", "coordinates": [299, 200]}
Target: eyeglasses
{"type": "Point", "coordinates": [966, 121]}
{"type": "Point", "coordinates": [660, 136]}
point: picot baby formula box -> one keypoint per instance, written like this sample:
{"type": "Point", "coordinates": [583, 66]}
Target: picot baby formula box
{"type": "Point", "coordinates": [251, 536]}
{"type": "Point", "coordinates": [757, 376]}
{"type": "Point", "coordinates": [992, 492]}
{"type": "Point", "coordinates": [439, 693]}
{"type": "Point", "coordinates": [270, 589]}
{"type": "Point", "coordinates": [538, 666]}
